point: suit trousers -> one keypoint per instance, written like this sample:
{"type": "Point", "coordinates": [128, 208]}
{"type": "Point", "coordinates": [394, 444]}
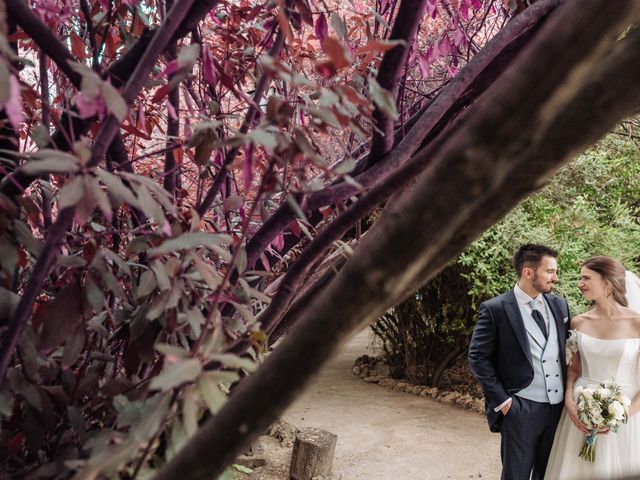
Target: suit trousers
{"type": "Point", "coordinates": [527, 437]}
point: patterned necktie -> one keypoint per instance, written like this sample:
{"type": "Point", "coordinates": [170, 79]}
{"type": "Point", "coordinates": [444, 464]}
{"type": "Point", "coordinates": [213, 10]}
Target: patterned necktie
{"type": "Point", "coordinates": [536, 307]}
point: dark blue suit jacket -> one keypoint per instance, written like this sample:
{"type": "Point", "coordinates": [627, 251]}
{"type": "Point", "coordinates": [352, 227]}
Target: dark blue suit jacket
{"type": "Point", "coordinates": [499, 352]}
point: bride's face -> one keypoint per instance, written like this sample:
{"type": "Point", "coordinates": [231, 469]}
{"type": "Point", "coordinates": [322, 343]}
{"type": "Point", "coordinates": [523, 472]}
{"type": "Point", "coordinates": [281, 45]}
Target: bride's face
{"type": "Point", "coordinates": [592, 285]}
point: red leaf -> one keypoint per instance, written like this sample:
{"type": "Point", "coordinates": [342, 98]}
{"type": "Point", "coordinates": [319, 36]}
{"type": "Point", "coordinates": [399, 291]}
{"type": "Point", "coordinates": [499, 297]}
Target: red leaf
{"type": "Point", "coordinates": [283, 22]}
{"type": "Point", "coordinates": [295, 228]}
{"type": "Point", "coordinates": [142, 119]}
{"type": "Point", "coordinates": [326, 69]}
{"type": "Point", "coordinates": [63, 316]}
{"type": "Point", "coordinates": [160, 94]}
{"type": "Point", "coordinates": [337, 53]}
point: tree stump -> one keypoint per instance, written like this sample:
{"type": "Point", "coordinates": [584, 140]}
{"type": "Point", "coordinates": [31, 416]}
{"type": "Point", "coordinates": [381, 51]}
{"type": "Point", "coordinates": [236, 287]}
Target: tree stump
{"type": "Point", "coordinates": [312, 454]}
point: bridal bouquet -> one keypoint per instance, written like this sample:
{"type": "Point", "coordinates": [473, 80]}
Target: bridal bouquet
{"type": "Point", "coordinates": [600, 407]}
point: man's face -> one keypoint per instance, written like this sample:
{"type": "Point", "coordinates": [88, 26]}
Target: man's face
{"type": "Point", "coordinates": [545, 276]}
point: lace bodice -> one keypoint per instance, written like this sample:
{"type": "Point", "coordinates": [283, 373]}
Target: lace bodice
{"type": "Point", "coordinates": [604, 359]}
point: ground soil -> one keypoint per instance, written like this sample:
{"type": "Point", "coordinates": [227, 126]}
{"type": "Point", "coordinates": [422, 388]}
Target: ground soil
{"type": "Point", "coordinates": [384, 434]}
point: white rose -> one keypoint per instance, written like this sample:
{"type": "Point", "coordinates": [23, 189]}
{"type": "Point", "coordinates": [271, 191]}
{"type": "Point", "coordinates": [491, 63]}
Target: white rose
{"type": "Point", "coordinates": [604, 392]}
{"type": "Point", "coordinates": [597, 419]}
{"type": "Point", "coordinates": [616, 410]}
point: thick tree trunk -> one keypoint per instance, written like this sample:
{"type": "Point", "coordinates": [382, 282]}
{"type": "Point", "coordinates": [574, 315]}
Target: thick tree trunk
{"type": "Point", "coordinates": [545, 109]}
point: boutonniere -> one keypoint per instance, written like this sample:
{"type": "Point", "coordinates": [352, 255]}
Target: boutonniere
{"type": "Point", "coordinates": [571, 345]}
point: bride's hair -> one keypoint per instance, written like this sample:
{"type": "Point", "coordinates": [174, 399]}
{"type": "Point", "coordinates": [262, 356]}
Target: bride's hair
{"type": "Point", "coordinates": [613, 273]}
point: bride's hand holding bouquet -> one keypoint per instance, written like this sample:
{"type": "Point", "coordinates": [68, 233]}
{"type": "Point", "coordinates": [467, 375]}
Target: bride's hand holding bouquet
{"type": "Point", "coordinates": [601, 408]}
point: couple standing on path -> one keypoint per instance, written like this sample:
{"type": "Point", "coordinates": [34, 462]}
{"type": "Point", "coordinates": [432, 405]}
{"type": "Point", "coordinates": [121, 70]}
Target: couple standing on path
{"type": "Point", "coordinates": [518, 354]}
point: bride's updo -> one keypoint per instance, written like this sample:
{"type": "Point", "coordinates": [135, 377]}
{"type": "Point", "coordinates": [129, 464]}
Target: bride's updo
{"type": "Point", "coordinates": [613, 273]}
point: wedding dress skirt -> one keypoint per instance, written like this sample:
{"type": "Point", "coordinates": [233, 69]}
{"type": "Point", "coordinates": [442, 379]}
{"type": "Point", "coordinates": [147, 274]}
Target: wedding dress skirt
{"type": "Point", "coordinates": [617, 454]}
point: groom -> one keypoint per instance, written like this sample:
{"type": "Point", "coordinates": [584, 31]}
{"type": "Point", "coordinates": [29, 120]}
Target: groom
{"type": "Point", "coordinates": [517, 353]}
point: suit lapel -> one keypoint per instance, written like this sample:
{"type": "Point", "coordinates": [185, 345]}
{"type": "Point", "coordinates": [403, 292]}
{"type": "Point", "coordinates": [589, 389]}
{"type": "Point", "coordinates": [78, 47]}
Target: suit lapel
{"type": "Point", "coordinates": [560, 326]}
{"type": "Point", "coordinates": [534, 331]}
{"type": "Point", "coordinates": [511, 308]}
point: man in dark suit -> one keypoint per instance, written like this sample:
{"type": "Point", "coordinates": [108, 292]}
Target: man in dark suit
{"type": "Point", "coordinates": [517, 353]}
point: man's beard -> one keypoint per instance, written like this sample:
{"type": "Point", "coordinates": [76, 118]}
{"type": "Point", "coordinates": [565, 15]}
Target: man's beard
{"type": "Point", "coordinates": [541, 287]}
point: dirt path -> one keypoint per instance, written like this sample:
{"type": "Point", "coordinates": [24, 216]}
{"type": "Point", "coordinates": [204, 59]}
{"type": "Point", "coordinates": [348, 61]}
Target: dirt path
{"type": "Point", "coordinates": [386, 435]}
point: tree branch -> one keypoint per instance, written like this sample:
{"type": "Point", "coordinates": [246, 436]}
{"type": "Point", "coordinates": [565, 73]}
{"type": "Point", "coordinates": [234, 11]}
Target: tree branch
{"type": "Point", "coordinates": [249, 118]}
{"type": "Point", "coordinates": [44, 38]}
{"type": "Point", "coordinates": [118, 71]}
{"type": "Point", "coordinates": [504, 146]}
{"type": "Point", "coordinates": [391, 71]}
{"type": "Point", "coordinates": [471, 81]}
{"type": "Point", "coordinates": [65, 218]}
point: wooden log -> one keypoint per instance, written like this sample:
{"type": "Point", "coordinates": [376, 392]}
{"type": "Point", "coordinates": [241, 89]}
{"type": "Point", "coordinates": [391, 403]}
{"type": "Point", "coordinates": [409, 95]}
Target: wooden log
{"type": "Point", "coordinates": [312, 454]}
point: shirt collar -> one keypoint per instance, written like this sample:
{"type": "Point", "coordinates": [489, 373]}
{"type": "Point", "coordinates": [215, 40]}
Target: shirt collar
{"type": "Point", "coordinates": [522, 297]}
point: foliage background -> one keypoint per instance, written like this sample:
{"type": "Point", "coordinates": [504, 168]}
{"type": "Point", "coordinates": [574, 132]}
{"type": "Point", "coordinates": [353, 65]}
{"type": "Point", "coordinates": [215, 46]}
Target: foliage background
{"type": "Point", "coordinates": [590, 207]}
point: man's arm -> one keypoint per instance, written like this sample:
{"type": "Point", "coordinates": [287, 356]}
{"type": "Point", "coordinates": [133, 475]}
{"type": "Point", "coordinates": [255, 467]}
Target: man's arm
{"type": "Point", "coordinates": [481, 350]}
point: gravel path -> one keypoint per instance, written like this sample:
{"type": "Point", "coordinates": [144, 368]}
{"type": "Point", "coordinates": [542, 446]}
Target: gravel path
{"type": "Point", "coordinates": [387, 435]}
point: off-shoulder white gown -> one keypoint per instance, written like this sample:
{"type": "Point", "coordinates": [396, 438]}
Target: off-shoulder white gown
{"type": "Point", "coordinates": [617, 454]}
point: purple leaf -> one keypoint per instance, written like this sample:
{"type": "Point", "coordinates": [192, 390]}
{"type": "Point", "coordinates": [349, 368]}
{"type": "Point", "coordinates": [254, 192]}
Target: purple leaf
{"type": "Point", "coordinates": [322, 28]}
{"type": "Point", "coordinates": [208, 69]}
{"type": "Point", "coordinates": [432, 8]}
{"type": "Point", "coordinates": [464, 10]}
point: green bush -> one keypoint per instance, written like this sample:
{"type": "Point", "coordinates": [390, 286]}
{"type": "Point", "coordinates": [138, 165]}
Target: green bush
{"type": "Point", "coordinates": [590, 207]}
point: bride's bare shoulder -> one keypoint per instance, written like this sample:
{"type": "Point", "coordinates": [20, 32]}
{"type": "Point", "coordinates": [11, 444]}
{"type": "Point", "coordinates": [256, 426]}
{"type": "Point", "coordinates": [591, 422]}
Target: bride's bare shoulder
{"type": "Point", "coordinates": [578, 322]}
{"type": "Point", "coordinates": [635, 319]}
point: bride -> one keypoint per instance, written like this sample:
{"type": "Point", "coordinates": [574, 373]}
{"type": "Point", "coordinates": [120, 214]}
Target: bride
{"type": "Point", "coordinates": [608, 347]}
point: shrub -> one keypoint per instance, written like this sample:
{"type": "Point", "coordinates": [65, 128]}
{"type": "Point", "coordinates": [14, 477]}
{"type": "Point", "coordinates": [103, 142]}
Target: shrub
{"type": "Point", "coordinates": [590, 207]}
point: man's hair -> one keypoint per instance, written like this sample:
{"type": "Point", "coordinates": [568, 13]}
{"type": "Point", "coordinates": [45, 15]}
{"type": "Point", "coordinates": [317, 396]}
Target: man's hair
{"type": "Point", "coordinates": [529, 256]}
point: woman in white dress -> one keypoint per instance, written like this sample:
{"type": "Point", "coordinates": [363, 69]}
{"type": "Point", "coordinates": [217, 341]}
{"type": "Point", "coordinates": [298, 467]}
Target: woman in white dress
{"type": "Point", "coordinates": [608, 347]}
